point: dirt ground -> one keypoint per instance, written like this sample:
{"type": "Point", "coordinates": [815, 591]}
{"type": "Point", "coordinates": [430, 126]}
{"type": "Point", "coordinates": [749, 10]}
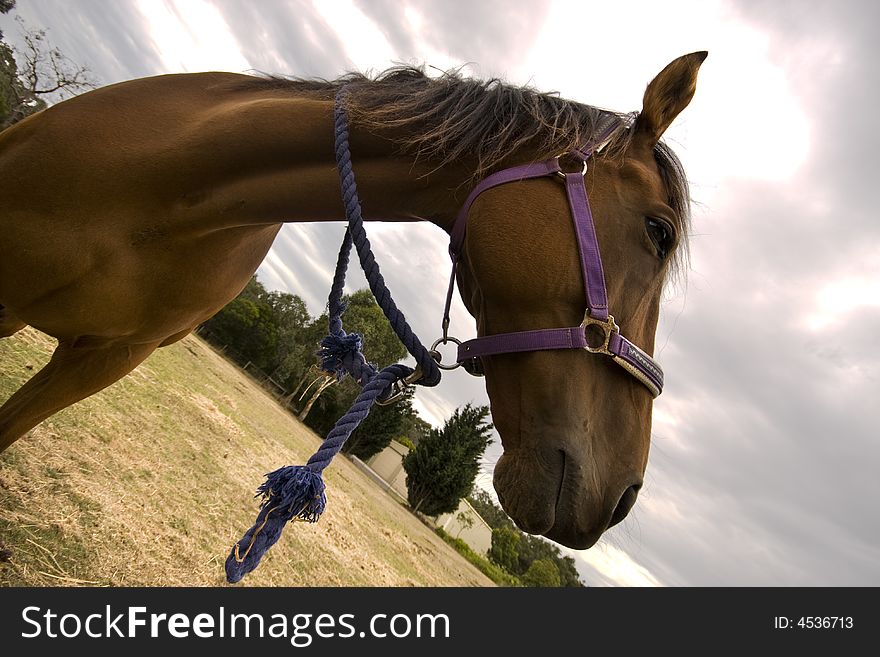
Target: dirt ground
{"type": "Point", "coordinates": [150, 483]}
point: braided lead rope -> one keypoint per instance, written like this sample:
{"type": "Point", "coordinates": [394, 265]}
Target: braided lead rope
{"type": "Point", "coordinates": [296, 491]}
{"type": "Point", "coordinates": [430, 373]}
{"type": "Point", "coordinates": [340, 352]}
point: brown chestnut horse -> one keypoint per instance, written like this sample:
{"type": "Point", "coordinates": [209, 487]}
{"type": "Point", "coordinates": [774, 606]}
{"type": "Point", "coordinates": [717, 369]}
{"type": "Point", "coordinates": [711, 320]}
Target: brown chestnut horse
{"type": "Point", "coordinates": [131, 214]}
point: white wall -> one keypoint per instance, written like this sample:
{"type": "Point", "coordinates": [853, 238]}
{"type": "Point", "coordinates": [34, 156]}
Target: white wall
{"type": "Point", "coordinates": [388, 464]}
{"type": "Point", "coordinates": [478, 536]}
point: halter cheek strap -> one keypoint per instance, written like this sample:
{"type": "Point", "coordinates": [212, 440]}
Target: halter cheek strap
{"type": "Point", "coordinates": [598, 333]}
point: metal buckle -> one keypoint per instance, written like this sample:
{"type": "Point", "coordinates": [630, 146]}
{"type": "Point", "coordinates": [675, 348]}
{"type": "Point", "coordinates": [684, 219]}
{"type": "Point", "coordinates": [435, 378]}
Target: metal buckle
{"type": "Point", "coordinates": [398, 388]}
{"type": "Point", "coordinates": [562, 173]}
{"type": "Point", "coordinates": [608, 326]}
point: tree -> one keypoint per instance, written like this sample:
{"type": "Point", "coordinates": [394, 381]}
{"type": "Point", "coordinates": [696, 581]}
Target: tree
{"type": "Point", "coordinates": [293, 357]}
{"type": "Point", "coordinates": [568, 573]}
{"type": "Point", "coordinates": [504, 552]}
{"type": "Point", "coordinates": [268, 329]}
{"type": "Point", "coordinates": [413, 428]}
{"type": "Point", "coordinates": [313, 380]}
{"type": "Point", "coordinates": [490, 512]}
{"type": "Point", "coordinates": [542, 572]}
{"type": "Point", "coordinates": [443, 467]}
{"type": "Point", "coordinates": [273, 331]}
{"type": "Point", "coordinates": [248, 325]}
{"type": "Point", "coordinates": [5, 7]}
{"type": "Point", "coordinates": [529, 548]}
{"type": "Point", "coordinates": [465, 521]}
{"type": "Point", "coordinates": [30, 76]}
{"type": "Point", "coordinates": [534, 548]}
{"type": "Point", "coordinates": [363, 315]}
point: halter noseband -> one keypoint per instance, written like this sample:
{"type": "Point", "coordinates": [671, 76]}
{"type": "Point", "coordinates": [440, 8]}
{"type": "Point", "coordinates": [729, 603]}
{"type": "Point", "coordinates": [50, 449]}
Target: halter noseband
{"type": "Point", "coordinates": [597, 323]}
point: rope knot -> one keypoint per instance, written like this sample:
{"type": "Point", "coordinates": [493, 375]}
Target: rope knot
{"type": "Point", "coordinates": [341, 354]}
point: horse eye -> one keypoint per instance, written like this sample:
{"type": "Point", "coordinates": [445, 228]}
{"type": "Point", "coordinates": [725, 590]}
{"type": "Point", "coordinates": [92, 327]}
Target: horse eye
{"type": "Point", "coordinates": [661, 235]}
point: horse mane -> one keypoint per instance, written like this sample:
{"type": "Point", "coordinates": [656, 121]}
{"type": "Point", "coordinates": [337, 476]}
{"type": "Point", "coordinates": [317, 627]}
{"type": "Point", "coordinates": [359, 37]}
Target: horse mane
{"type": "Point", "coordinates": [451, 118]}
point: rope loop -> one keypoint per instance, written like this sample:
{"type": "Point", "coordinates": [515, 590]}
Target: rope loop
{"type": "Point", "coordinates": [356, 235]}
{"type": "Point", "coordinates": [296, 492]}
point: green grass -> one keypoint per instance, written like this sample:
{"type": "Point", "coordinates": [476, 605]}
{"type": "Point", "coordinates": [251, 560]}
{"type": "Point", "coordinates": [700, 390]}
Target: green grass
{"type": "Point", "coordinates": [150, 482]}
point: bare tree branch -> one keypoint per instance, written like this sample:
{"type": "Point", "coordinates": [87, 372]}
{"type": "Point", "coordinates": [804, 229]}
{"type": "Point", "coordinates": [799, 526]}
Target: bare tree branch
{"type": "Point", "coordinates": [41, 62]}
{"type": "Point", "coordinates": [37, 74]}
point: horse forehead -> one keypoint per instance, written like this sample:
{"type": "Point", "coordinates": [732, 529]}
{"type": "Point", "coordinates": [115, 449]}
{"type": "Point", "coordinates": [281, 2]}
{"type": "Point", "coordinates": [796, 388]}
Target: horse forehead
{"type": "Point", "coordinates": [638, 177]}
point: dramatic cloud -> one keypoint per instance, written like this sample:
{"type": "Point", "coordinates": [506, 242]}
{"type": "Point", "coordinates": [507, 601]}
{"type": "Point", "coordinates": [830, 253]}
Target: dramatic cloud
{"type": "Point", "coordinates": [765, 450]}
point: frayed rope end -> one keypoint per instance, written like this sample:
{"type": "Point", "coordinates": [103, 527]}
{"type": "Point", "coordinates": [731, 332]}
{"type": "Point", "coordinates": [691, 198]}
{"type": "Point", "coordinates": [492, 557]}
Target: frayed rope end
{"type": "Point", "coordinates": [294, 491]}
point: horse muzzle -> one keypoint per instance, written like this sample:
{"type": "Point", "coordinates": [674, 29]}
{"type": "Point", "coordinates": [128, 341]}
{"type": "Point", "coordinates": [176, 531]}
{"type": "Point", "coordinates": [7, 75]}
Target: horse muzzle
{"type": "Point", "coordinates": [550, 493]}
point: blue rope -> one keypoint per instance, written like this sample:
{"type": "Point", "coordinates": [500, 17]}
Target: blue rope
{"type": "Point", "coordinates": [357, 234]}
{"type": "Point", "coordinates": [340, 352]}
{"type": "Point", "coordinates": [297, 491]}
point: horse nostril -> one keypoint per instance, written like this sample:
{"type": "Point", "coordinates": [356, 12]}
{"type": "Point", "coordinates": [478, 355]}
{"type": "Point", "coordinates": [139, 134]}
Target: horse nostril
{"type": "Point", "coordinates": [626, 502]}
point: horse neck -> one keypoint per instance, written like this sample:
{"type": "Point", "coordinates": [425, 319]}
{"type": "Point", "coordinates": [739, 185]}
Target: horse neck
{"type": "Point", "coordinates": [289, 142]}
{"type": "Point", "coordinates": [394, 186]}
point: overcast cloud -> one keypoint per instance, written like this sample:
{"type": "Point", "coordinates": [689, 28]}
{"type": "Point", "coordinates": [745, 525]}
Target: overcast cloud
{"type": "Point", "coordinates": [765, 455]}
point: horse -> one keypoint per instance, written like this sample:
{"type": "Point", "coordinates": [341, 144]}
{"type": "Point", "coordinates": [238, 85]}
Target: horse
{"type": "Point", "coordinates": [134, 212]}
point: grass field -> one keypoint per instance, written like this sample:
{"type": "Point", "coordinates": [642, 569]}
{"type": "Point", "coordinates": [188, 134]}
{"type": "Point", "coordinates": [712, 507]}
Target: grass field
{"type": "Point", "coordinates": [150, 482]}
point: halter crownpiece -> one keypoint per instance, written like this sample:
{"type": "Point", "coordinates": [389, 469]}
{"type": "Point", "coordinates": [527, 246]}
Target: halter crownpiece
{"type": "Point", "coordinates": [598, 333]}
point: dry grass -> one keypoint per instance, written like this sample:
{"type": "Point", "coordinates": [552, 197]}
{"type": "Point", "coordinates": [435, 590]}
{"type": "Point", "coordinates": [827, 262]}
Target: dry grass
{"type": "Point", "coordinates": [150, 482]}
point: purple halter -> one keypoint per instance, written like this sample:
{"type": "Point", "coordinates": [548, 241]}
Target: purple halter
{"type": "Point", "coordinates": [598, 333]}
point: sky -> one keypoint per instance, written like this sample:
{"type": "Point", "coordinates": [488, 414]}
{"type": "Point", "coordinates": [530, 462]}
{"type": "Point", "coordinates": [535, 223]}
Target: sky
{"type": "Point", "coordinates": [765, 446]}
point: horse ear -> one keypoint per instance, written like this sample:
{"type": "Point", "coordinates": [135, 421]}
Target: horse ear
{"type": "Point", "coordinates": [667, 95]}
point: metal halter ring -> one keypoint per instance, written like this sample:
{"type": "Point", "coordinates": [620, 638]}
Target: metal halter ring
{"type": "Point", "coordinates": [438, 357]}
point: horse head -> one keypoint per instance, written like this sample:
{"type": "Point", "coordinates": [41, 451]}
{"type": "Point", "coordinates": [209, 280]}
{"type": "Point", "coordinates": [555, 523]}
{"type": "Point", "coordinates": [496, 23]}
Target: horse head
{"type": "Point", "coordinates": [576, 428]}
